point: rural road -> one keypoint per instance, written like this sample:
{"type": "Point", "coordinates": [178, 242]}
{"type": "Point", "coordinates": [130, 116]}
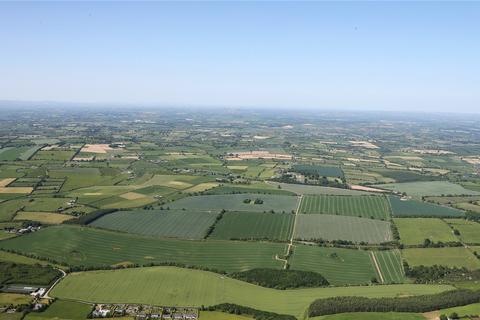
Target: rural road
{"type": "Point", "coordinates": [64, 274]}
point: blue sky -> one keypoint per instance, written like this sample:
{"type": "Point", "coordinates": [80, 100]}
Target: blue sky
{"type": "Point", "coordinates": [344, 55]}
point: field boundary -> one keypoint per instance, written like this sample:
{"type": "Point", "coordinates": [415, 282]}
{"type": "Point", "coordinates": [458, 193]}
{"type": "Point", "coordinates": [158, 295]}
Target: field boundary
{"type": "Point", "coordinates": [377, 267]}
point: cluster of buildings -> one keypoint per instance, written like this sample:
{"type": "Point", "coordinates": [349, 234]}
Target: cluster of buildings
{"type": "Point", "coordinates": [144, 312]}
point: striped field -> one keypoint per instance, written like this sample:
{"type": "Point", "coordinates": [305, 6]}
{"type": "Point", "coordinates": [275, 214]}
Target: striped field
{"type": "Point", "coordinates": [390, 264]}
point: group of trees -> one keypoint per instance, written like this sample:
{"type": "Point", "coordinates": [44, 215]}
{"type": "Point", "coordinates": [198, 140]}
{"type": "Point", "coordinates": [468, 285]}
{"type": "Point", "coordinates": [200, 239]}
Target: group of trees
{"type": "Point", "coordinates": [439, 274]}
{"type": "Point", "coordinates": [256, 314]}
{"type": "Point", "coordinates": [92, 216]}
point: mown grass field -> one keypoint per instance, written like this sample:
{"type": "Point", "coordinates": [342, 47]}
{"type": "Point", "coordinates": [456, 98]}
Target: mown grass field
{"type": "Point", "coordinates": [332, 227]}
{"type": "Point", "coordinates": [375, 207]}
{"type": "Point", "coordinates": [427, 188]}
{"type": "Point", "coordinates": [235, 202]}
{"type": "Point", "coordinates": [215, 315]}
{"type": "Point", "coordinates": [43, 217]}
{"type": "Point", "coordinates": [390, 263]}
{"type": "Point", "coordinates": [372, 316]}
{"type": "Point", "coordinates": [183, 287]}
{"type": "Point", "coordinates": [159, 223]}
{"type": "Point", "coordinates": [61, 309]}
{"type": "Point", "coordinates": [413, 208]}
{"type": "Point", "coordinates": [452, 257]}
{"type": "Point", "coordinates": [254, 225]}
{"type": "Point", "coordinates": [469, 230]}
{"type": "Point", "coordinates": [7, 299]}
{"type": "Point", "coordinates": [414, 231]}
{"type": "Point", "coordinates": [93, 247]}
{"type": "Point", "coordinates": [339, 266]}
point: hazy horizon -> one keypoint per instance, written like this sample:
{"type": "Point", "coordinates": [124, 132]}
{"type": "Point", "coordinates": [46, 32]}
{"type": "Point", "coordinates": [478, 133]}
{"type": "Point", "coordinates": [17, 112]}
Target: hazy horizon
{"type": "Point", "coordinates": [373, 56]}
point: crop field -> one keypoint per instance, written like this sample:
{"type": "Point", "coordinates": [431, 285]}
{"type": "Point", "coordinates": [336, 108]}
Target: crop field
{"type": "Point", "coordinates": [93, 247]}
{"type": "Point", "coordinates": [374, 207]}
{"type": "Point", "coordinates": [309, 169]}
{"type": "Point", "coordinates": [159, 223]}
{"type": "Point", "coordinates": [331, 227]}
{"type": "Point", "coordinates": [183, 287]}
{"type": "Point", "coordinates": [63, 310]}
{"type": "Point", "coordinates": [339, 266]}
{"type": "Point", "coordinates": [43, 217]}
{"type": "Point", "coordinates": [469, 230]}
{"type": "Point", "coordinates": [235, 202]}
{"type": "Point", "coordinates": [7, 299]}
{"type": "Point", "coordinates": [20, 153]}
{"type": "Point", "coordinates": [372, 316]}
{"type": "Point", "coordinates": [428, 188]}
{"type": "Point", "coordinates": [452, 257]}
{"type": "Point", "coordinates": [413, 208]}
{"type": "Point", "coordinates": [317, 190]}
{"type": "Point", "coordinates": [54, 155]}
{"type": "Point", "coordinates": [254, 225]}
{"type": "Point", "coordinates": [390, 264]}
{"type": "Point", "coordinates": [413, 231]}
{"type": "Point", "coordinates": [10, 207]}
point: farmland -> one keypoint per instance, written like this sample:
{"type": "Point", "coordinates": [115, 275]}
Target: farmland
{"type": "Point", "coordinates": [452, 257]}
{"type": "Point", "coordinates": [413, 231]}
{"type": "Point", "coordinates": [469, 230]}
{"type": "Point", "coordinates": [160, 223]}
{"type": "Point", "coordinates": [180, 287]}
{"type": "Point", "coordinates": [413, 208]}
{"type": "Point", "coordinates": [390, 264]}
{"type": "Point", "coordinates": [428, 188]}
{"type": "Point", "coordinates": [337, 227]}
{"type": "Point", "coordinates": [374, 207]}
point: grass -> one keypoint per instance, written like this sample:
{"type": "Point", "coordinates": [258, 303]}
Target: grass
{"type": "Point", "coordinates": [93, 247]}
{"type": "Point", "coordinates": [10, 207]}
{"type": "Point", "coordinates": [372, 316]}
{"type": "Point", "coordinates": [409, 208]}
{"type": "Point", "coordinates": [428, 188]}
{"type": "Point", "coordinates": [471, 309]}
{"type": "Point", "coordinates": [390, 264]}
{"type": "Point", "coordinates": [215, 315]}
{"type": "Point", "coordinates": [61, 309]}
{"type": "Point", "coordinates": [339, 266]}
{"type": "Point", "coordinates": [331, 227]}
{"type": "Point", "coordinates": [451, 257]}
{"type": "Point", "coordinates": [317, 190]}
{"type": "Point", "coordinates": [16, 258]}
{"type": "Point", "coordinates": [469, 230]}
{"type": "Point", "coordinates": [7, 299]}
{"type": "Point", "coordinates": [254, 225]}
{"type": "Point", "coordinates": [182, 287]}
{"type": "Point", "coordinates": [201, 187]}
{"type": "Point", "coordinates": [375, 207]}
{"type": "Point", "coordinates": [235, 202]}
{"type": "Point", "coordinates": [309, 169]}
{"type": "Point", "coordinates": [413, 231]}
{"type": "Point", "coordinates": [43, 217]}
{"type": "Point", "coordinates": [47, 204]}
{"type": "Point", "coordinates": [160, 223]}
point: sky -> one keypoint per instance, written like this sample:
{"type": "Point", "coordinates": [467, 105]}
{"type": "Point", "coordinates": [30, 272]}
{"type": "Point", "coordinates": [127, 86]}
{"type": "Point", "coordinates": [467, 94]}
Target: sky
{"type": "Point", "coordinates": [415, 56]}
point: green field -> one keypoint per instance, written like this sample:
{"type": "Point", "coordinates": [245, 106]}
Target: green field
{"type": "Point", "coordinates": [235, 202]}
{"type": "Point", "coordinates": [316, 170]}
{"type": "Point", "coordinates": [374, 207]}
{"type": "Point", "coordinates": [390, 263]}
{"type": "Point", "coordinates": [317, 190]}
{"type": "Point", "coordinates": [215, 315]}
{"type": "Point", "coordinates": [63, 310]}
{"type": "Point", "coordinates": [254, 225]}
{"type": "Point", "coordinates": [427, 188]}
{"type": "Point", "coordinates": [469, 230]}
{"type": "Point", "coordinates": [18, 153]}
{"type": "Point", "coordinates": [182, 287]}
{"type": "Point", "coordinates": [331, 227]}
{"type": "Point", "coordinates": [339, 266]}
{"type": "Point", "coordinates": [413, 208]}
{"type": "Point", "coordinates": [93, 247]}
{"type": "Point", "coordinates": [159, 223]}
{"type": "Point", "coordinates": [451, 257]}
{"type": "Point", "coordinates": [413, 231]}
{"type": "Point", "coordinates": [372, 316]}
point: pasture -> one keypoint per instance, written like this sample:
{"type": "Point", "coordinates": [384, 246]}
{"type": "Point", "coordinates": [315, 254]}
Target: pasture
{"type": "Point", "coordinates": [10, 207]}
{"type": "Point", "coordinates": [180, 287]}
{"type": "Point", "coordinates": [317, 190]}
{"type": "Point", "coordinates": [339, 266]}
{"type": "Point", "coordinates": [390, 264]}
{"type": "Point", "coordinates": [17, 153]}
{"type": "Point", "coordinates": [452, 257]}
{"type": "Point", "coordinates": [235, 202]}
{"type": "Point", "coordinates": [469, 230]}
{"type": "Point", "coordinates": [332, 227]}
{"type": "Point", "coordinates": [43, 217]}
{"type": "Point", "coordinates": [159, 223]}
{"type": "Point", "coordinates": [374, 207]}
{"type": "Point", "coordinates": [427, 188]}
{"type": "Point", "coordinates": [414, 208]}
{"type": "Point", "coordinates": [61, 309]}
{"type": "Point", "coordinates": [372, 316]}
{"type": "Point", "coordinates": [254, 225]}
{"type": "Point", "coordinates": [72, 245]}
{"type": "Point", "coordinates": [316, 170]}
{"type": "Point", "coordinates": [413, 231]}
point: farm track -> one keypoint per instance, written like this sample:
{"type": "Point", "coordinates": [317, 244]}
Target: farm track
{"type": "Point", "coordinates": [290, 244]}
{"type": "Point", "coordinates": [377, 267]}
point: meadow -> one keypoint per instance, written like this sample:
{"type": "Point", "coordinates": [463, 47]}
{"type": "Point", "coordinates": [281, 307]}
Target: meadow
{"type": "Point", "coordinates": [427, 188]}
{"type": "Point", "coordinates": [374, 207]}
{"type": "Point", "coordinates": [159, 223]}
{"type": "Point", "coordinates": [469, 230]}
{"type": "Point", "coordinates": [88, 246]}
{"type": "Point", "coordinates": [254, 225]}
{"type": "Point", "coordinates": [61, 309]}
{"type": "Point", "coordinates": [43, 217]}
{"type": "Point", "coordinates": [179, 287]}
{"type": "Point", "coordinates": [414, 231]}
{"type": "Point", "coordinates": [414, 208]}
{"type": "Point", "coordinates": [372, 316]}
{"type": "Point", "coordinates": [390, 264]}
{"type": "Point", "coordinates": [452, 257]}
{"type": "Point", "coordinates": [337, 227]}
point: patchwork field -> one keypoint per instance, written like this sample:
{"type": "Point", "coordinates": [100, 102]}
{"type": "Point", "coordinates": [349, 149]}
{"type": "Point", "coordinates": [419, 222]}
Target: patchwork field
{"type": "Point", "coordinates": [413, 231]}
{"type": "Point", "coordinates": [313, 190]}
{"type": "Point", "coordinates": [179, 287]}
{"type": "Point", "coordinates": [43, 217]}
{"type": "Point", "coordinates": [374, 207]}
{"type": "Point", "coordinates": [414, 208]}
{"type": "Point", "coordinates": [93, 247]}
{"type": "Point", "coordinates": [469, 230]}
{"type": "Point", "coordinates": [315, 170]}
{"type": "Point", "coordinates": [235, 202]}
{"type": "Point", "coordinates": [159, 223]}
{"type": "Point", "coordinates": [452, 257]}
{"type": "Point", "coordinates": [254, 225]}
{"type": "Point", "coordinates": [331, 227]}
{"type": "Point", "coordinates": [427, 188]}
{"type": "Point", "coordinates": [390, 264]}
